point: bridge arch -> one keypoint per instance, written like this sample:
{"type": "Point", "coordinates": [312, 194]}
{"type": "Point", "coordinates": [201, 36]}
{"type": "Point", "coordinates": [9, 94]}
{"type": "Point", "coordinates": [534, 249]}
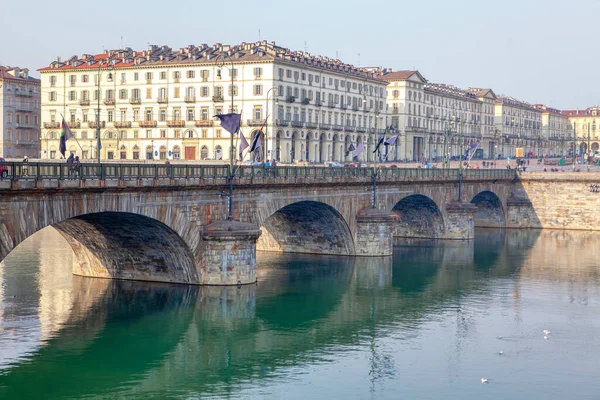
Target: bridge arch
{"type": "Point", "coordinates": [490, 213]}
{"type": "Point", "coordinates": [122, 245]}
{"type": "Point", "coordinates": [306, 227]}
{"type": "Point", "coordinates": [418, 217]}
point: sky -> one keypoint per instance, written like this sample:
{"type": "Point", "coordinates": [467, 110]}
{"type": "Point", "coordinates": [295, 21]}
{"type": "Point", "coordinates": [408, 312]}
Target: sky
{"type": "Point", "coordinates": [538, 51]}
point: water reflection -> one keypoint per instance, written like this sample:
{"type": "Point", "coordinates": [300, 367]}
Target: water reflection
{"type": "Point", "coordinates": [133, 339]}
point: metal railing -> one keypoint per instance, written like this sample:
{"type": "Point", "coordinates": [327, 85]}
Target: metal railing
{"type": "Point", "coordinates": [65, 171]}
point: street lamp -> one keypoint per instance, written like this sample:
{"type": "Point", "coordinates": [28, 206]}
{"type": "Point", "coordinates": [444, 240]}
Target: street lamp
{"type": "Point", "coordinates": [267, 122]}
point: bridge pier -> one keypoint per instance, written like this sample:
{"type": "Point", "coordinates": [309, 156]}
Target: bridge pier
{"type": "Point", "coordinates": [460, 222]}
{"type": "Point", "coordinates": [229, 253]}
{"type": "Point", "coordinates": [374, 232]}
{"type": "Point", "coordinates": [520, 213]}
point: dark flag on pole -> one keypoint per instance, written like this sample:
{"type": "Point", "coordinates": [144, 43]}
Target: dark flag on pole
{"type": "Point", "coordinates": [243, 145]}
{"type": "Point", "coordinates": [230, 122]}
{"type": "Point", "coordinates": [350, 148]}
{"type": "Point", "coordinates": [381, 139]}
{"type": "Point", "coordinates": [65, 134]}
{"type": "Point", "coordinates": [255, 143]}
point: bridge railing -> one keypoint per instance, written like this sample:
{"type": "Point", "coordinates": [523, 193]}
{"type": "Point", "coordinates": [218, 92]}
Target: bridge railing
{"type": "Point", "coordinates": [58, 171]}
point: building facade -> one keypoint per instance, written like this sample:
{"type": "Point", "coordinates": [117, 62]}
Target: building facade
{"type": "Point", "coordinates": [436, 119]}
{"type": "Point", "coordinates": [19, 113]}
{"type": "Point", "coordinates": [160, 103]}
{"type": "Point", "coordinates": [520, 126]}
{"type": "Point", "coordinates": [584, 126]}
{"type": "Point", "coordinates": [557, 135]}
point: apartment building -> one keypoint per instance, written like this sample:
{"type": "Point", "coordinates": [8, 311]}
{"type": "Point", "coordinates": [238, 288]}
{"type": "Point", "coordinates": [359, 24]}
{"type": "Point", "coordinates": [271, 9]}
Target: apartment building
{"type": "Point", "coordinates": [19, 113]}
{"type": "Point", "coordinates": [159, 103]}
{"type": "Point", "coordinates": [557, 135]}
{"type": "Point", "coordinates": [584, 126]}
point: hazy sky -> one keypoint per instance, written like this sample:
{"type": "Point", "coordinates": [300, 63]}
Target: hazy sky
{"type": "Point", "coordinates": [540, 51]}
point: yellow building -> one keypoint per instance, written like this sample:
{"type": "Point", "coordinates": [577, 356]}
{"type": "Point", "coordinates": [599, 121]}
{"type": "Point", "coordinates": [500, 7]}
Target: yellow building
{"type": "Point", "coordinates": [585, 125]}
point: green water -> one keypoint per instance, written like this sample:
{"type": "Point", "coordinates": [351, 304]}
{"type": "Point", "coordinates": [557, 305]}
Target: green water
{"type": "Point", "coordinates": [424, 325]}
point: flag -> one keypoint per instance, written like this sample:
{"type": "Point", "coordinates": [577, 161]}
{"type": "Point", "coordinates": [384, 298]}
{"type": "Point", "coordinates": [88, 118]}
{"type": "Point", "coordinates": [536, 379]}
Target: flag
{"type": "Point", "coordinates": [65, 134]}
{"type": "Point", "coordinates": [255, 142]}
{"type": "Point", "coordinates": [350, 148]}
{"type": "Point", "coordinates": [391, 140]}
{"type": "Point", "coordinates": [381, 139]}
{"type": "Point", "coordinates": [230, 122]}
{"type": "Point", "coordinates": [243, 145]}
{"type": "Point", "coordinates": [474, 145]}
{"type": "Point", "coordinates": [359, 150]}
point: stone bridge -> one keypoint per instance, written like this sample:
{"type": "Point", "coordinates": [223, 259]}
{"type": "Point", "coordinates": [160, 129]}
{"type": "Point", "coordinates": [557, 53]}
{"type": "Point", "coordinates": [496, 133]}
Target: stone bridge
{"type": "Point", "coordinates": [161, 223]}
{"type": "Point", "coordinates": [165, 223]}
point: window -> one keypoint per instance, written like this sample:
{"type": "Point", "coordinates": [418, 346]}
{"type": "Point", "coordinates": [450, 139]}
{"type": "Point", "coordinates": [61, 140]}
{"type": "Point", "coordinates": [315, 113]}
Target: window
{"type": "Point", "coordinates": [204, 91]}
{"type": "Point", "coordinates": [204, 136]}
{"type": "Point", "coordinates": [135, 94]}
{"type": "Point", "coordinates": [72, 117]}
{"type": "Point", "coordinates": [177, 133]}
{"type": "Point", "coordinates": [233, 73]}
{"type": "Point", "coordinates": [136, 76]}
{"type": "Point", "coordinates": [163, 133]}
{"type": "Point", "coordinates": [110, 116]}
{"type": "Point", "coordinates": [162, 114]}
{"type": "Point", "coordinates": [85, 118]}
{"type": "Point", "coordinates": [204, 75]}
{"type": "Point", "coordinates": [163, 75]}
{"type": "Point", "coordinates": [218, 133]}
{"type": "Point", "coordinates": [148, 93]}
{"type": "Point", "coordinates": [288, 73]}
{"type": "Point", "coordinates": [176, 74]}
{"type": "Point", "coordinates": [258, 72]}
{"type": "Point", "coordinates": [148, 116]}
{"type": "Point", "coordinates": [85, 78]}
{"type": "Point", "coordinates": [72, 95]}
{"type": "Point", "coordinates": [257, 90]}
{"type": "Point", "coordinates": [72, 79]}
{"type": "Point", "coordinates": [123, 76]}
{"type": "Point", "coordinates": [176, 92]}
{"type": "Point", "coordinates": [190, 114]}
{"type": "Point", "coordinates": [280, 74]}
{"type": "Point", "coordinates": [191, 74]}
{"type": "Point", "coordinates": [136, 114]}
{"type": "Point", "coordinates": [123, 94]}
{"type": "Point", "coordinates": [257, 112]}
{"type": "Point", "coordinates": [53, 81]}
{"type": "Point", "coordinates": [204, 114]}
{"type": "Point", "coordinates": [52, 96]}
{"type": "Point", "coordinates": [149, 76]}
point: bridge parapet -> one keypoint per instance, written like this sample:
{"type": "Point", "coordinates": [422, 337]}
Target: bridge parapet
{"type": "Point", "coordinates": [19, 176]}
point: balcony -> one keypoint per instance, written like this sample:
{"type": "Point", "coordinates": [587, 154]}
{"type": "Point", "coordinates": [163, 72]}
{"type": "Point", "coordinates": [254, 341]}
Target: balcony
{"type": "Point", "coordinates": [203, 123]}
{"type": "Point", "coordinates": [330, 105]}
{"type": "Point", "coordinates": [109, 102]}
{"type": "Point", "coordinates": [74, 125]}
{"type": "Point", "coordinates": [92, 124]}
{"type": "Point", "coordinates": [21, 108]}
{"type": "Point", "coordinates": [355, 108]}
{"type": "Point", "coordinates": [217, 98]}
{"type": "Point", "coordinates": [24, 126]}
{"type": "Point", "coordinates": [318, 103]}
{"type": "Point", "coordinates": [122, 124]}
{"type": "Point", "coordinates": [306, 101]}
{"type": "Point", "coordinates": [324, 126]}
{"type": "Point", "coordinates": [337, 127]}
{"type": "Point", "coordinates": [190, 99]}
{"type": "Point", "coordinates": [147, 124]}
{"type": "Point", "coordinates": [361, 129]}
{"type": "Point", "coordinates": [162, 100]}
{"type": "Point", "coordinates": [23, 93]}
{"type": "Point", "coordinates": [349, 128]}
{"type": "Point", "coordinates": [311, 125]}
{"type": "Point", "coordinates": [135, 100]}
{"type": "Point", "coordinates": [344, 106]}
{"type": "Point", "coordinates": [255, 122]}
{"type": "Point", "coordinates": [176, 123]}
{"type": "Point", "coordinates": [281, 122]}
{"type": "Point", "coordinates": [84, 102]}
{"type": "Point", "coordinates": [290, 99]}
{"type": "Point", "coordinates": [297, 124]}
{"type": "Point", "coordinates": [51, 125]}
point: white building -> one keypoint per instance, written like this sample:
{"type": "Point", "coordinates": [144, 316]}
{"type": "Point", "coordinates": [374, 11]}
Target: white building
{"type": "Point", "coordinates": [19, 113]}
{"type": "Point", "coordinates": [520, 125]}
{"type": "Point", "coordinates": [436, 119]}
{"type": "Point", "coordinates": [159, 103]}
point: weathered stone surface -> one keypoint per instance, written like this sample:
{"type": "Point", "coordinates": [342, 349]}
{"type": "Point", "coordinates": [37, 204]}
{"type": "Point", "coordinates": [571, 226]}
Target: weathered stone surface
{"type": "Point", "coordinates": [229, 253]}
{"type": "Point", "coordinates": [459, 221]}
{"type": "Point", "coordinates": [374, 232]}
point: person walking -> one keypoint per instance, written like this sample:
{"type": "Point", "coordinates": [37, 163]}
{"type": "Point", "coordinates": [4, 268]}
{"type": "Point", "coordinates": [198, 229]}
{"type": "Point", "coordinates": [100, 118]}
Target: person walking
{"type": "Point", "coordinates": [25, 166]}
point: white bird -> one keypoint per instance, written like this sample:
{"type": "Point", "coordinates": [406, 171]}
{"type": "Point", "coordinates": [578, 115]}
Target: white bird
{"type": "Point", "coordinates": [499, 337]}
{"type": "Point", "coordinates": [500, 353]}
{"type": "Point", "coordinates": [547, 332]}
{"type": "Point", "coordinates": [545, 337]}
{"type": "Point", "coordinates": [484, 380]}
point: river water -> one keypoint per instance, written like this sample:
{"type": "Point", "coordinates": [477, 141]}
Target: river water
{"type": "Point", "coordinates": [423, 326]}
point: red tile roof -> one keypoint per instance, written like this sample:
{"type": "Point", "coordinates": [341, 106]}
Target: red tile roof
{"type": "Point", "coordinates": [4, 75]}
{"type": "Point", "coordinates": [582, 113]}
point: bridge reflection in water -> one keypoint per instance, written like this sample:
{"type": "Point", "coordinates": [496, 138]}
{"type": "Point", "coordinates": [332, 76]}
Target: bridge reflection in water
{"type": "Point", "coordinates": [140, 339]}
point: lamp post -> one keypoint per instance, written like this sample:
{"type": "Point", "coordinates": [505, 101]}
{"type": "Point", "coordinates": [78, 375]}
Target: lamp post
{"type": "Point", "coordinates": [460, 165]}
{"type": "Point", "coordinates": [267, 122]}
{"type": "Point", "coordinates": [231, 165]}
{"type": "Point", "coordinates": [588, 148]}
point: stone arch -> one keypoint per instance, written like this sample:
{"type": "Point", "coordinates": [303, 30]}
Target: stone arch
{"type": "Point", "coordinates": [121, 245]}
{"type": "Point", "coordinates": [419, 217]}
{"type": "Point", "coordinates": [204, 153]}
{"type": "Point", "coordinates": [190, 134]}
{"type": "Point", "coordinates": [110, 134]}
{"type": "Point", "coordinates": [490, 213]}
{"type": "Point", "coordinates": [306, 227]}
